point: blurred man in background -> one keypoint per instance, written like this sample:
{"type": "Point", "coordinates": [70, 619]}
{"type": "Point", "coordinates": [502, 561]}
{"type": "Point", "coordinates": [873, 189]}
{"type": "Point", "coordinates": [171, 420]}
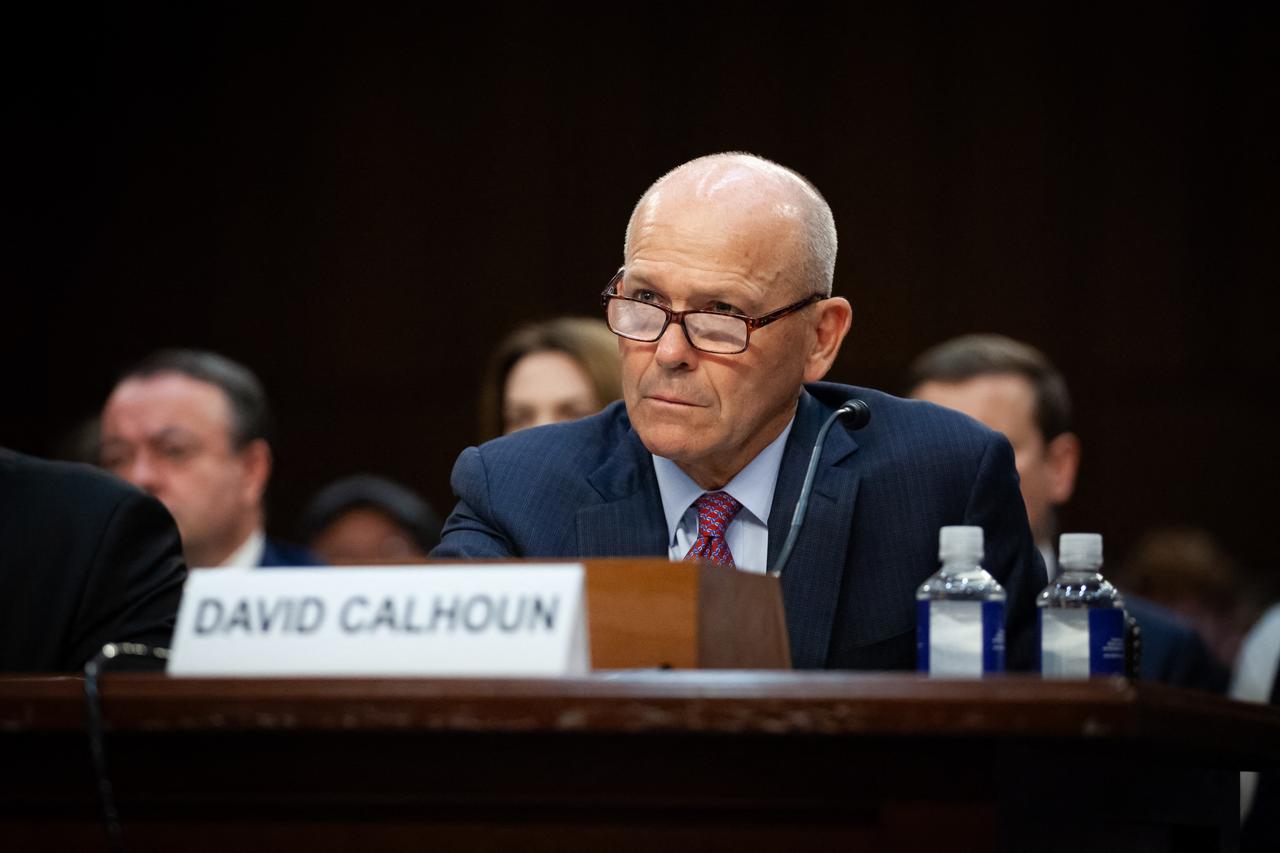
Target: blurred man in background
{"type": "Point", "coordinates": [1012, 387]}
{"type": "Point", "coordinates": [193, 429]}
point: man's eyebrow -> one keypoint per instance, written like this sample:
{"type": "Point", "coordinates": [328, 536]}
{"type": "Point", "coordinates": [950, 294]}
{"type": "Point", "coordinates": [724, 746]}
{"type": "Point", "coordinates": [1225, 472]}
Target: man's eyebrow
{"type": "Point", "coordinates": [172, 432]}
{"type": "Point", "coordinates": [703, 294]}
{"type": "Point", "coordinates": [638, 279]}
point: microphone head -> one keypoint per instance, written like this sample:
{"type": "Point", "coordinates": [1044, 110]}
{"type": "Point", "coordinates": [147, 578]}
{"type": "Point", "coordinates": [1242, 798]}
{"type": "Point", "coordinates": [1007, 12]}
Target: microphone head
{"type": "Point", "coordinates": [855, 413]}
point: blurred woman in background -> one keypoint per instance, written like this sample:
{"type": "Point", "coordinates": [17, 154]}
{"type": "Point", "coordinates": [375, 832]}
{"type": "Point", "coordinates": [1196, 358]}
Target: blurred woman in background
{"type": "Point", "coordinates": [559, 370]}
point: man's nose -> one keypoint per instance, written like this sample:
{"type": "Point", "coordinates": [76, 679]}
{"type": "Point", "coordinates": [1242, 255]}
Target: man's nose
{"type": "Point", "coordinates": [674, 350]}
{"type": "Point", "coordinates": [142, 472]}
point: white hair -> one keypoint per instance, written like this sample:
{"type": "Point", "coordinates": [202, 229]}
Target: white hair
{"type": "Point", "coordinates": [818, 265]}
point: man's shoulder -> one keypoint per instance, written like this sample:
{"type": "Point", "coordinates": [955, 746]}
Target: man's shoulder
{"type": "Point", "coordinates": [517, 494]}
{"type": "Point", "coordinates": [1173, 650]}
{"type": "Point", "coordinates": [54, 489]}
{"type": "Point", "coordinates": [88, 559]}
{"type": "Point", "coordinates": [1162, 629]}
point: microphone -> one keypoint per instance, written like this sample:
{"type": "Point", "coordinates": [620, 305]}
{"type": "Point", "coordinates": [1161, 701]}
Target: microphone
{"type": "Point", "coordinates": [858, 414]}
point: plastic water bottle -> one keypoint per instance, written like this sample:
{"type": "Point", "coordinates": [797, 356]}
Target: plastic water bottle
{"type": "Point", "coordinates": [960, 611]}
{"type": "Point", "coordinates": [1082, 619]}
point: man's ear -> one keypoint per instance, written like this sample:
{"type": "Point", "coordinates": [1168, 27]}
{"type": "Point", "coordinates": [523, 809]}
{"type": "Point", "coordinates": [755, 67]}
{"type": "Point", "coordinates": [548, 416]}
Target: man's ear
{"type": "Point", "coordinates": [1062, 460]}
{"type": "Point", "coordinates": [256, 459]}
{"type": "Point", "coordinates": [835, 316]}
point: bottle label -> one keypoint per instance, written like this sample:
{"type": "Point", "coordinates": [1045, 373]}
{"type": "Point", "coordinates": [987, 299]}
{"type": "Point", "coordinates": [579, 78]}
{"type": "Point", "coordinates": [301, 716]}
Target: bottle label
{"type": "Point", "coordinates": [1106, 641]}
{"type": "Point", "coordinates": [1080, 642]}
{"type": "Point", "coordinates": [993, 636]}
{"type": "Point", "coordinates": [959, 639]}
{"type": "Point", "coordinates": [922, 636]}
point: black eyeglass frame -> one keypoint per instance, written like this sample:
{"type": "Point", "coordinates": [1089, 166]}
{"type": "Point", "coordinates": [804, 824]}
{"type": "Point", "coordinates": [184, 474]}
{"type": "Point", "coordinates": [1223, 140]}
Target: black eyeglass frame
{"type": "Point", "coordinates": [752, 323]}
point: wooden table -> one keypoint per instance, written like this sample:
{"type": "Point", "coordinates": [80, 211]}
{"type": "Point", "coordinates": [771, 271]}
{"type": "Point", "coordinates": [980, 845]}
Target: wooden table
{"type": "Point", "coordinates": [697, 760]}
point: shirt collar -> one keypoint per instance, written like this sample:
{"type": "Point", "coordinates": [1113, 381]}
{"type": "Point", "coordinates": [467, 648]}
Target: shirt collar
{"type": "Point", "coordinates": [250, 551]}
{"type": "Point", "coordinates": [1049, 557]}
{"type": "Point", "coordinates": [752, 487]}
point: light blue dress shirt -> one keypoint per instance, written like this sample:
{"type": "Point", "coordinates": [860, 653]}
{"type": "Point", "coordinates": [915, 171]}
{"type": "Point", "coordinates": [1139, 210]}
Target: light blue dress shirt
{"type": "Point", "coordinates": [748, 533]}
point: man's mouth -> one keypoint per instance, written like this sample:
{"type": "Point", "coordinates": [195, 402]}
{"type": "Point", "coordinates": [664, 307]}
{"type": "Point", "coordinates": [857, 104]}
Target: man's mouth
{"type": "Point", "coordinates": [671, 399]}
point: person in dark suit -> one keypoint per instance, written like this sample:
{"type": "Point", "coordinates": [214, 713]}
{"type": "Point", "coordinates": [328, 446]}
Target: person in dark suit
{"type": "Point", "coordinates": [84, 560]}
{"type": "Point", "coordinates": [193, 428]}
{"type": "Point", "coordinates": [1012, 387]}
{"type": "Point", "coordinates": [726, 323]}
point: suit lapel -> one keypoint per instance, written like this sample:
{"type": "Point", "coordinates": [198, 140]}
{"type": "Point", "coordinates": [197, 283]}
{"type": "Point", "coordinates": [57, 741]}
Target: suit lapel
{"type": "Point", "coordinates": [813, 576]}
{"type": "Point", "coordinates": [629, 523]}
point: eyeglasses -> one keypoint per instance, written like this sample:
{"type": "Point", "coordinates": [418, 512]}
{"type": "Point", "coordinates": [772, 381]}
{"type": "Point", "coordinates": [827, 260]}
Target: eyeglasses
{"type": "Point", "coordinates": [710, 331]}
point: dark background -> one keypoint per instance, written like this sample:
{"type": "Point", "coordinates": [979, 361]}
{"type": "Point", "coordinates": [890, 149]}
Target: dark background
{"type": "Point", "coordinates": [359, 203]}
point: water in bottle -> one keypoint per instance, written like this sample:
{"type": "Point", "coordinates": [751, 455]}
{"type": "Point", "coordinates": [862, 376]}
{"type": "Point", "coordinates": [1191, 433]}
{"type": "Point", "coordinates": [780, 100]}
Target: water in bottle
{"type": "Point", "coordinates": [1081, 615]}
{"type": "Point", "coordinates": [960, 611]}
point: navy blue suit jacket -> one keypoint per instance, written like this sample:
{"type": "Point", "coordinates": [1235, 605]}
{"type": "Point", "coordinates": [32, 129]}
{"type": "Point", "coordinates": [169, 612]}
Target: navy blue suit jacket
{"type": "Point", "coordinates": [1173, 651]}
{"type": "Point", "coordinates": [277, 554]}
{"type": "Point", "coordinates": [588, 489]}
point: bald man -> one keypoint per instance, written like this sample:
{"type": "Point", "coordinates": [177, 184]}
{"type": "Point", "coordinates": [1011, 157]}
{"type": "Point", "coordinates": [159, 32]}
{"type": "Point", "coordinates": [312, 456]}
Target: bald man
{"type": "Point", "coordinates": [726, 323]}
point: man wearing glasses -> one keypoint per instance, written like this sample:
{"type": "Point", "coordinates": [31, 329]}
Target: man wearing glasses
{"type": "Point", "coordinates": [726, 322]}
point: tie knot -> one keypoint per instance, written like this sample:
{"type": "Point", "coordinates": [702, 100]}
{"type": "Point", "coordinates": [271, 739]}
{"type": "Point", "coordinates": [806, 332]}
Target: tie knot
{"type": "Point", "coordinates": [715, 511]}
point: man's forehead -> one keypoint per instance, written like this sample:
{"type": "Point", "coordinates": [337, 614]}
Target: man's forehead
{"type": "Point", "coordinates": [1002, 401]}
{"type": "Point", "coordinates": [168, 400]}
{"type": "Point", "coordinates": [749, 234]}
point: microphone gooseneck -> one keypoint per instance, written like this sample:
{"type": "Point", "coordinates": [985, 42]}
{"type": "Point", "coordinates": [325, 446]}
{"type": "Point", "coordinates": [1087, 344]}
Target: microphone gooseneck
{"type": "Point", "coordinates": [858, 414]}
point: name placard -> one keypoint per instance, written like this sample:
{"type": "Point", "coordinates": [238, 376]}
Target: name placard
{"type": "Point", "coordinates": [526, 620]}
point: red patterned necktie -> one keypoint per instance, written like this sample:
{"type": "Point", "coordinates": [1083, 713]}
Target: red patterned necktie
{"type": "Point", "coordinates": [715, 511]}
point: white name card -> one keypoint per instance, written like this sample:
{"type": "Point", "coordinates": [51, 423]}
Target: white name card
{"type": "Point", "coordinates": [526, 620]}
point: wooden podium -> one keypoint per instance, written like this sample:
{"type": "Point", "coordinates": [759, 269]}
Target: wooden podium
{"type": "Point", "coordinates": [634, 757]}
{"type": "Point", "coordinates": [634, 761]}
{"type": "Point", "coordinates": [655, 613]}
